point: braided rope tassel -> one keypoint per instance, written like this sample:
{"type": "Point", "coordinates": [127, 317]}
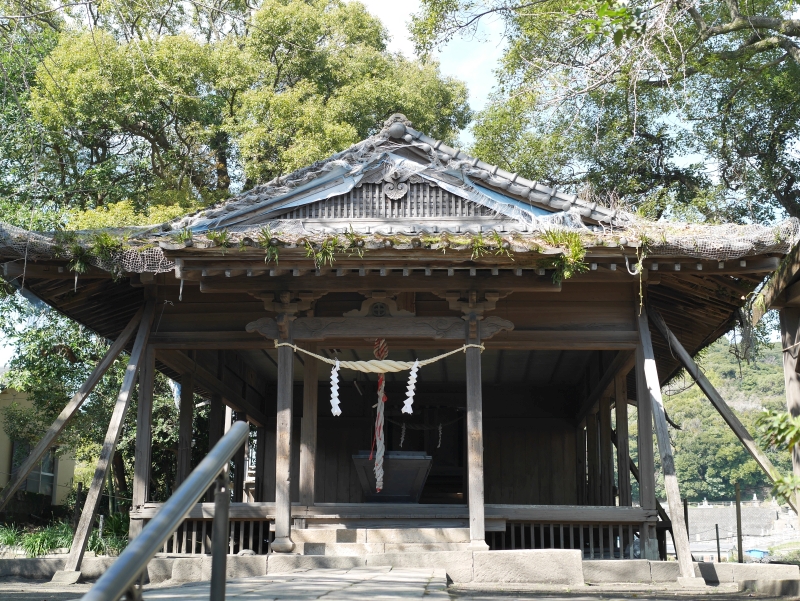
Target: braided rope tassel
{"type": "Point", "coordinates": [439, 446]}
{"type": "Point", "coordinates": [380, 350]}
{"type": "Point", "coordinates": [335, 390]}
{"type": "Point", "coordinates": [412, 382]}
{"type": "Point", "coordinates": [402, 434]}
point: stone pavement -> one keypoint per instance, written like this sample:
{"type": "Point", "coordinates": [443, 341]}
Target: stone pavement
{"type": "Point", "coordinates": [376, 583]}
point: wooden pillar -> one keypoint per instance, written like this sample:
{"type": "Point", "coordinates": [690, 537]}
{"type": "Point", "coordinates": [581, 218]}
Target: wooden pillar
{"type": "Point", "coordinates": [477, 528]}
{"type": "Point", "coordinates": [679, 532]}
{"type": "Point", "coordinates": [216, 418]}
{"type": "Point", "coordinates": [790, 336]}
{"type": "Point", "coordinates": [144, 419]}
{"type": "Point", "coordinates": [308, 430]}
{"type": "Point", "coordinates": [185, 431]}
{"type": "Point", "coordinates": [593, 459]}
{"type": "Point", "coordinates": [623, 446]}
{"type": "Point", "coordinates": [606, 452]}
{"type": "Point", "coordinates": [240, 465]}
{"type": "Point", "coordinates": [580, 451]}
{"type": "Point", "coordinates": [283, 447]}
{"type": "Point", "coordinates": [261, 440]}
{"type": "Point", "coordinates": [84, 529]}
{"type": "Point", "coordinates": [647, 481]}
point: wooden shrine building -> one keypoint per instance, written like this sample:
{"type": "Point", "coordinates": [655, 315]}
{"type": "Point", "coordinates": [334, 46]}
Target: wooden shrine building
{"type": "Point", "coordinates": [523, 436]}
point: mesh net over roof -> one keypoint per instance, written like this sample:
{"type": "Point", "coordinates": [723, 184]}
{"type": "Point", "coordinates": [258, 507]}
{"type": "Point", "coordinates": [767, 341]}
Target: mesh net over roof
{"type": "Point", "coordinates": [141, 252]}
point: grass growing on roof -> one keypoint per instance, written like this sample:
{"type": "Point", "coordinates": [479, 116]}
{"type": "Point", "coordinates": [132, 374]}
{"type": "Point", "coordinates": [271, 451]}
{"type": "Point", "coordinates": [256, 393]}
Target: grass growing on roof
{"type": "Point", "coordinates": [571, 260]}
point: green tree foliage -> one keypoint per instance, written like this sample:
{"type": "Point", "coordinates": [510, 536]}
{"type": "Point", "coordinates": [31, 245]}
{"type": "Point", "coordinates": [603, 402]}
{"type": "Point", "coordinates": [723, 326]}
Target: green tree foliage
{"type": "Point", "coordinates": [681, 109]}
{"type": "Point", "coordinates": [182, 107]}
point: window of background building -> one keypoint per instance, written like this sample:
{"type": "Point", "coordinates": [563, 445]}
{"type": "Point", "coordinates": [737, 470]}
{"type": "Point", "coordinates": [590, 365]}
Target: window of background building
{"type": "Point", "coordinates": [41, 480]}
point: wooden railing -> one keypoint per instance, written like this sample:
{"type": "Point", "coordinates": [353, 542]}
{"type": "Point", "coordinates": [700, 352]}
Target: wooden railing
{"type": "Point", "coordinates": [597, 541]}
{"type": "Point", "coordinates": [193, 537]}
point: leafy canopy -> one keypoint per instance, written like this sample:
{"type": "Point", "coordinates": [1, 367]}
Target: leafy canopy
{"type": "Point", "coordinates": [680, 109]}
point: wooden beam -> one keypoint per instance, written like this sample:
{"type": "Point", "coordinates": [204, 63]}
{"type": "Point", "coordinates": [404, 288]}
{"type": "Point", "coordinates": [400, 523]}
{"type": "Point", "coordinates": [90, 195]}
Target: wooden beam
{"type": "Point", "coordinates": [623, 445]}
{"type": "Point", "coordinates": [283, 450]}
{"type": "Point", "coordinates": [308, 430]}
{"type": "Point", "coordinates": [679, 532]}
{"type": "Point", "coordinates": [325, 328]}
{"type": "Point", "coordinates": [142, 452]}
{"type": "Point", "coordinates": [622, 364]}
{"type": "Point", "coordinates": [784, 275]}
{"type": "Point", "coordinates": [240, 466]}
{"type": "Point", "coordinates": [181, 363]}
{"type": "Point", "coordinates": [529, 282]}
{"type": "Point", "coordinates": [716, 399]}
{"type": "Point", "coordinates": [71, 409]}
{"type": "Point", "coordinates": [84, 529]}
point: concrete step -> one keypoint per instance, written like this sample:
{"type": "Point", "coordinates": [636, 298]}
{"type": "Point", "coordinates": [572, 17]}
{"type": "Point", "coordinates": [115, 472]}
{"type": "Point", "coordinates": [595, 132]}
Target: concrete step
{"type": "Point", "coordinates": [361, 549]}
{"type": "Point", "coordinates": [380, 535]}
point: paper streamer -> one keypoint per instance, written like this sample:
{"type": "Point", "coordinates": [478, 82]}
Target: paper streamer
{"type": "Point", "coordinates": [335, 390]}
{"type": "Point", "coordinates": [412, 383]}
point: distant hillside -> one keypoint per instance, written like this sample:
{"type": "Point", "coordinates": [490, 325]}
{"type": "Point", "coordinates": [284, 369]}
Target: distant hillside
{"type": "Point", "coordinates": [708, 456]}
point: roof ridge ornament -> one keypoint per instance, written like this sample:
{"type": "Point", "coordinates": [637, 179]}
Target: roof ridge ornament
{"type": "Point", "coordinates": [395, 126]}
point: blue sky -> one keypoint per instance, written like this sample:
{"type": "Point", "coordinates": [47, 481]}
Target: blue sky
{"type": "Point", "coordinates": [471, 60]}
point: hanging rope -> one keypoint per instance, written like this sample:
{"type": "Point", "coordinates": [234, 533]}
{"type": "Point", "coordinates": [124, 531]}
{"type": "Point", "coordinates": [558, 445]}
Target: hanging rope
{"type": "Point", "coordinates": [380, 366]}
{"type": "Point", "coordinates": [402, 435]}
{"type": "Point", "coordinates": [380, 350]}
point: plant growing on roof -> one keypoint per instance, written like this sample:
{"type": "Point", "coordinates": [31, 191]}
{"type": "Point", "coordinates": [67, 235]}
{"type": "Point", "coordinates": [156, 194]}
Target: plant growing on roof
{"type": "Point", "coordinates": [221, 238]}
{"type": "Point", "coordinates": [479, 247]}
{"type": "Point", "coordinates": [269, 242]}
{"type": "Point", "coordinates": [106, 247]}
{"type": "Point", "coordinates": [184, 235]}
{"type": "Point", "coordinates": [503, 246]}
{"type": "Point", "coordinates": [324, 253]}
{"type": "Point", "coordinates": [571, 259]}
{"type": "Point", "coordinates": [356, 244]}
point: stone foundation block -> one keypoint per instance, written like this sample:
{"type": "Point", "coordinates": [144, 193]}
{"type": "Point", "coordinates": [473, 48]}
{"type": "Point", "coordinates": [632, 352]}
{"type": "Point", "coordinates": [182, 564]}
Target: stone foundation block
{"type": "Point", "coordinates": [665, 571]}
{"type": "Point", "coordinates": [187, 569]}
{"type": "Point", "coordinates": [417, 535]}
{"type": "Point", "coordinates": [773, 588]}
{"type": "Point", "coordinates": [616, 570]}
{"type": "Point", "coordinates": [456, 564]}
{"type": "Point", "coordinates": [34, 568]}
{"type": "Point", "coordinates": [540, 566]}
{"type": "Point", "coordinates": [278, 563]}
{"type": "Point", "coordinates": [764, 571]}
{"type": "Point", "coordinates": [159, 570]}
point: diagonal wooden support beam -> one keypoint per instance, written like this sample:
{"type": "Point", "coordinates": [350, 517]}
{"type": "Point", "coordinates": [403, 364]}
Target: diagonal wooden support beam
{"type": "Point", "coordinates": [84, 529]}
{"type": "Point", "coordinates": [184, 364]}
{"type": "Point", "coordinates": [622, 364]}
{"type": "Point", "coordinates": [653, 386]}
{"type": "Point", "coordinates": [70, 410]}
{"type": "Point", "coordinates": [716, 399]}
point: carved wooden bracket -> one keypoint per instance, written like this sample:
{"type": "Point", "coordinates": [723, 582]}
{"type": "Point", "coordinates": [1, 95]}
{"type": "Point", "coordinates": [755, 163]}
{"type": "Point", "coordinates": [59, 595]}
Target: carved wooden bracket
{"type": "Point", "coordinates": [288, 302]}
{"type": "Point", "coordinates": [322, 328]}
{"type": "Point", "coordinates": [381, 304]}
{"type": "Point", "coordinates": [468, 302]}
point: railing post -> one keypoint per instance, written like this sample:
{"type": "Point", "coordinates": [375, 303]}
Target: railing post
{"type": "Point", "coordinates": [219, 539]}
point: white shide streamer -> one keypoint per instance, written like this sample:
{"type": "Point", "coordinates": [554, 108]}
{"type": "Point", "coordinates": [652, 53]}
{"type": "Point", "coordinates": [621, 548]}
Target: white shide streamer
{"type": "Point", "coordinates": [335, 390]}
{"type": "Point", "coordinates": [412, 382]}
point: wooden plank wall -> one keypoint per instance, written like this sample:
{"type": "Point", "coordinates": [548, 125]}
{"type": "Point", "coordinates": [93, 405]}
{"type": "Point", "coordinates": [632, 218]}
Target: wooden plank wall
{"type": "Point", "coordinates": [530, 461]}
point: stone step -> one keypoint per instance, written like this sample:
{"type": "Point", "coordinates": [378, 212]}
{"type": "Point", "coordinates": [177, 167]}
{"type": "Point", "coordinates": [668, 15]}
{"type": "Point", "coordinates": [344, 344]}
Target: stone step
{"type": "Point", "coordinates": [361, 549]}
{"type": "Point", "coordinates": [380, 535]}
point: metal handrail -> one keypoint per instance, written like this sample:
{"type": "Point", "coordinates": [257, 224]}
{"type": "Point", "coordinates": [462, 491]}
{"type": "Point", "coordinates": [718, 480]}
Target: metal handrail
{"type": "Point", "coordinates": [120, 579]}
